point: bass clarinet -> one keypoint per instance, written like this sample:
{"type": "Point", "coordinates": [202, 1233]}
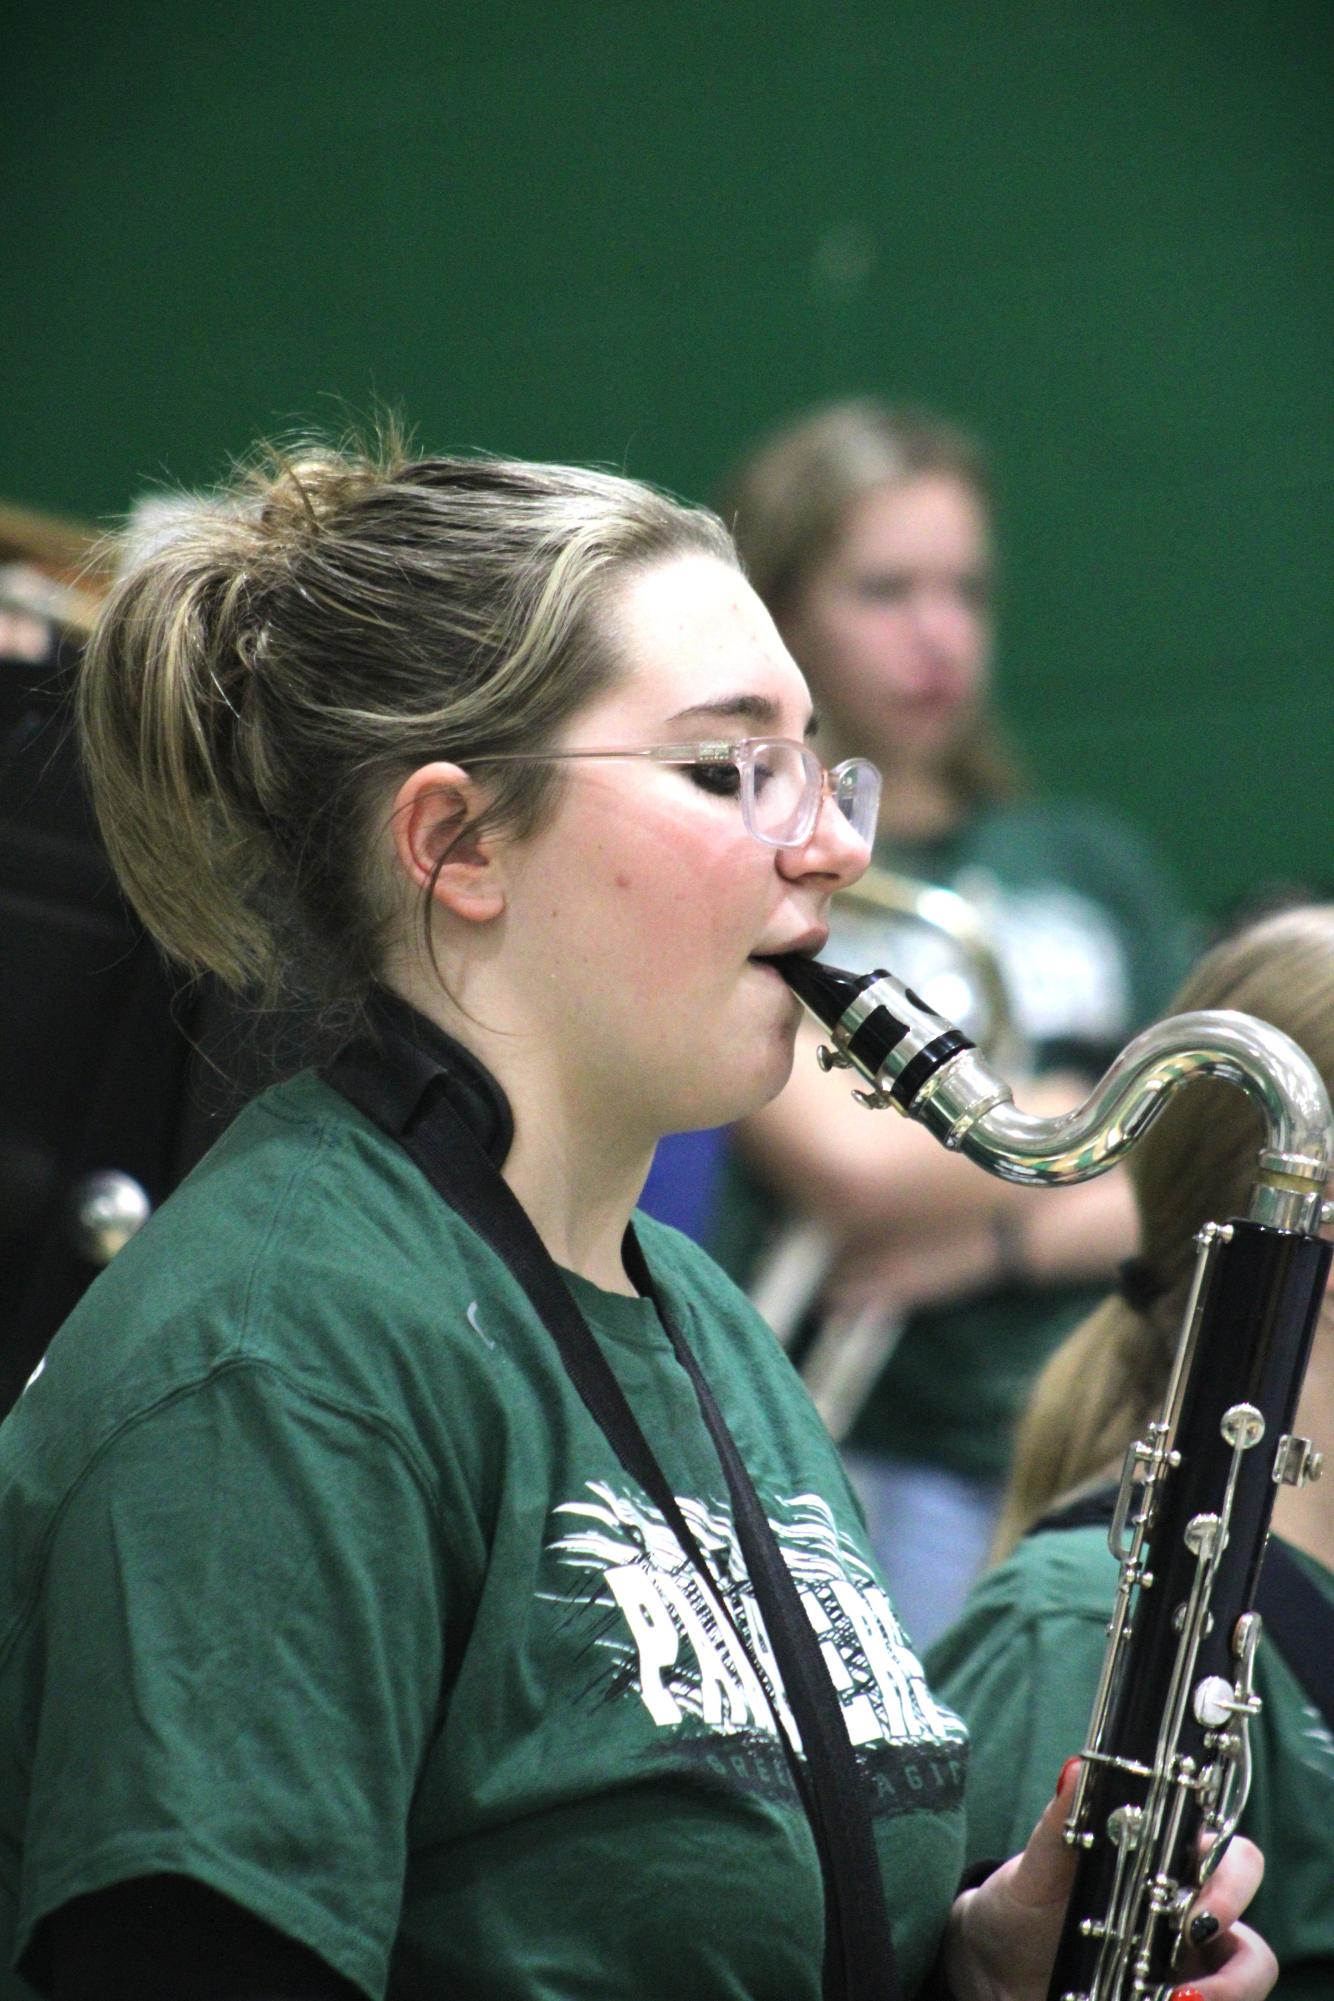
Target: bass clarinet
{"type": "Point", "coordinates": [1166, 1767]}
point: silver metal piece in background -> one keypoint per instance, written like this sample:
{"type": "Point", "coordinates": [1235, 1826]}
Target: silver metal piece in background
{"type": "Point", "coordinates": [106, 1208]}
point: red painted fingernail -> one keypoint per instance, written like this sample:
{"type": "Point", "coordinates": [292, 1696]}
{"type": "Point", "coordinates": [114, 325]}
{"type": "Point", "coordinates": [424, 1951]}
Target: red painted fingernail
{"type": "Point", "coordinates": [1067, 1778]}
{"type": "Point", "coordinates": [1186, 1994]}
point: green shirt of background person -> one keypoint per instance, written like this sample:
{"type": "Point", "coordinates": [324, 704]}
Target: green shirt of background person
{"type": "Point", "coordinates": [471, 732]}
{"type": "Point", "coordinates": [868, 532]}
{"type": "Point", "coordinates": [1023, 1662]}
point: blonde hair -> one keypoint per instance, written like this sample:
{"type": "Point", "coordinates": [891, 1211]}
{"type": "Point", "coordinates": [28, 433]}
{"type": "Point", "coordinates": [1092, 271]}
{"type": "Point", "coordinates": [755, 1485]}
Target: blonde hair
{"type": "Point", "coordinates": [1195, 1165]}
{"type": "Point", "coordinates": [787, 503]}
{"type": "Point", "coordinates": [286, 651]}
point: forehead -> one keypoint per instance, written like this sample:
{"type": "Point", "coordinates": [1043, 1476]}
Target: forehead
{"type": "Point", "coordinates": [691, 632]}
{"type": "Point", "coordinates": [935, 516]}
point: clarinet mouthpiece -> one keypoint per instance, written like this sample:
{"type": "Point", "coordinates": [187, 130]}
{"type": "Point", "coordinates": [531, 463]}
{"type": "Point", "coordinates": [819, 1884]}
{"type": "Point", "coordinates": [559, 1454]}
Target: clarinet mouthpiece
{"type": "Point", "coordinates": [827, 991]}
{"type": "Point", "coordinates": [880, 1028]}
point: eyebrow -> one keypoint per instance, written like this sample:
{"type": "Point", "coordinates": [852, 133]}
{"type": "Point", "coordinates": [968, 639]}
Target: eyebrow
{"type": "Point", "coordinates": [745, 708]}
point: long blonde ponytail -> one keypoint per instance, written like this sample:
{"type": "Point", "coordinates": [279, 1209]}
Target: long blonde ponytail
{"type": "Point", "coordinates": [1195, 1165]}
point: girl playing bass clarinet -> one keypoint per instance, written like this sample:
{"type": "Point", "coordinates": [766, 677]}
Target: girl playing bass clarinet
{"type": "Point", "coordinates": [417, 1578]}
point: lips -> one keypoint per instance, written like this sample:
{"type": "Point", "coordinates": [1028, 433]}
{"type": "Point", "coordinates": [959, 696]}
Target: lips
{"type": "Point", "coordinates": [806, 944]}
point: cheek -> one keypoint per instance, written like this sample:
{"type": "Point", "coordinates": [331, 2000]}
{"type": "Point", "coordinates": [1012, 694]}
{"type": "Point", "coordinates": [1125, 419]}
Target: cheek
{"type": "Point", "coordinates": [884, 651]}
{"type": "Point", "coordinates": [691, 906]}
{"type": "Point", "coordinates": [972, 643]}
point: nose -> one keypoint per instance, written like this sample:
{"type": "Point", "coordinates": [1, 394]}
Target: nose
{"type": "Point", "coordinates": [833, 850]}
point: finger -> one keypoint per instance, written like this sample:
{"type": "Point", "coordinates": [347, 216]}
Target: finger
{"type": "Point", "coordinates": [1244, 1970]}
{"type": "Point", "coordinates": [1227, 1893]}
{"type": "Point", "coordinates": [1044, 1873]}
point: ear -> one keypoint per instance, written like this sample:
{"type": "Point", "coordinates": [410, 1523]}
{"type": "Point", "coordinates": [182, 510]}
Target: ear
{"type": "Point", "coordinates": [430, 823]}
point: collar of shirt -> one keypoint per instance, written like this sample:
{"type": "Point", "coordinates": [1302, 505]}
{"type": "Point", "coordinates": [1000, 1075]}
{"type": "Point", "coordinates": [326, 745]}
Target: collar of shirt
{"type": "Point", "coordinates": [406, 1065]}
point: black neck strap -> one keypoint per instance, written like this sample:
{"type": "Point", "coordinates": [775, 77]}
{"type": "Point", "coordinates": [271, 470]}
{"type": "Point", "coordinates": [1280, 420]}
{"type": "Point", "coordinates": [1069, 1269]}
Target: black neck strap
{"type": "Point", "coordinates": [454, 1122]}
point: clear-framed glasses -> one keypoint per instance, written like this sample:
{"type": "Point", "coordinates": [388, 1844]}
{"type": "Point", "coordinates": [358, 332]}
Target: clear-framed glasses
{"type": "Point", "coordinates": [780, 783]}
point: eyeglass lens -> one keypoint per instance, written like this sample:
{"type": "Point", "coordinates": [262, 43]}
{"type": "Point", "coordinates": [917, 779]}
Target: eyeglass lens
{"type": "Point", "coordinates": [780, 784]}
{"type": "Point", "coordinates": [857, 790]}
{"type": "Point", "coordinates": [786, 787]}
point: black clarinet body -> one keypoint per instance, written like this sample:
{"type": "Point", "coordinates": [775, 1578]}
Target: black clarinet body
{"type": "Point", "coordinates": [1167, 1760]}
{"type": "Point", "coordinates": [1166, 1765]}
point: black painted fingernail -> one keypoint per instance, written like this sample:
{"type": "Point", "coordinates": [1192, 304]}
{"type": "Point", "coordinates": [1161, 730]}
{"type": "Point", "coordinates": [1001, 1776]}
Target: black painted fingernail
{"type": "Point", "coordinates": [1203, 1928]}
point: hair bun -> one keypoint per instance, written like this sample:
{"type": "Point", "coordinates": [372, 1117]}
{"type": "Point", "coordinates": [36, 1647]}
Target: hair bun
{"type": "Point", "coordinates": [298, 493]}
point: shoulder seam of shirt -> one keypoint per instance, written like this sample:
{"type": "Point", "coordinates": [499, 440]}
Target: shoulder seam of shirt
{"type": "Point", "coordinates": [301, 1171]}
{"type": "Point", "coordinates": [370, 1419]}
{"type": "Point", "coordinates": [1034, 1602]}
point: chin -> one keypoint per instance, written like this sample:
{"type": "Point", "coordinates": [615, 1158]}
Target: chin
{"type": "Point", "coordinates": [934, 737]}
{"type": "Point", "coordinates": [743, 1058]}
{"type": "Point", "coordinates": [764, 1079]}
{"type": "Point", "coordinates": [747, 1087]}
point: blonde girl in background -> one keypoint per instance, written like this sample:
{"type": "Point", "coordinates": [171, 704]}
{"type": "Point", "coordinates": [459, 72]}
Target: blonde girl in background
{"type": "Point", "coordinates": [868, 532]}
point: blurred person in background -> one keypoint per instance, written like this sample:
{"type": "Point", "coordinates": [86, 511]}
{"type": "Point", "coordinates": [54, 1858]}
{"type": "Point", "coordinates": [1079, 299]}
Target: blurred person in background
{"type": "Point", "coordinates": [1023, 1663]}
{"type": "Point", "coordinates": [867, 531]}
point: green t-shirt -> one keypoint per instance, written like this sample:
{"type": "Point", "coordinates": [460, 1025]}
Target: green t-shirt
{"type": "Point", "coordinates": [319, 1584]}
{"type": "Point", "coordinates": [1022, 1666]}
{"type": "Point", "coordinates": [1092, 942]}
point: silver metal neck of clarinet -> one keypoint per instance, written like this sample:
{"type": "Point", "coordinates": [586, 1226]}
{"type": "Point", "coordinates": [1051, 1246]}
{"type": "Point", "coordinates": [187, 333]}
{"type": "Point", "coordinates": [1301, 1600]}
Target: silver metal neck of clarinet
{"type": "Point", "coordinates": [917, 1065]}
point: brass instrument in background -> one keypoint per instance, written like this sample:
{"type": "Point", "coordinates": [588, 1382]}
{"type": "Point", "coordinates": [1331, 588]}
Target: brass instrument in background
{"type": "Point", "coordinates": [1168, 1754]}
{"type": "Point", "coordinates": [884, 892]}
{"type": "Point", "coordinates": [48, 569]}
{"type": "Point", "coordinates": [846, 1353]}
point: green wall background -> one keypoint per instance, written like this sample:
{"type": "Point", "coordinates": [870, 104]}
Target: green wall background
{"type": "Point", "coordinates": [1096, 230]}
